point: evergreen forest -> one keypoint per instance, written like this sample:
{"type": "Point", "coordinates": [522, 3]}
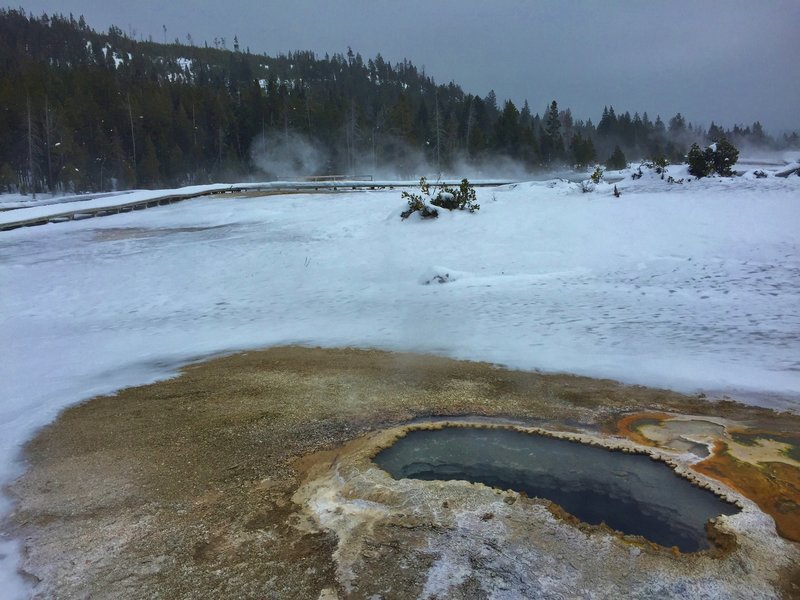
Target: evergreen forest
{"type": "Point", "coordinates": [82, 110]}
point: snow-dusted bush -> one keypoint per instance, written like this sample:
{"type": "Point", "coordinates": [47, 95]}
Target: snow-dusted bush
{"type": "Point", "coordinates": [417, 204]}
{"type": "Point", "coordinates": [461, 198]}
{"type": "Point", "coordinates": [443, 196]}
{"type": "Point", "coordinates": [660, 163]}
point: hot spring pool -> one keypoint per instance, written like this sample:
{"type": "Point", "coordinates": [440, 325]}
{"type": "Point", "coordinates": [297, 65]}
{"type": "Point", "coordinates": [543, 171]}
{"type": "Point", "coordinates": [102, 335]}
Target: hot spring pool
{"type": "Point", "coordinates": [630, 493]}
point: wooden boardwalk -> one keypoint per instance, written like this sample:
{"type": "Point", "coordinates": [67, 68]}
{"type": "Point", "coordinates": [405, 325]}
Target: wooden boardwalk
{"type": "Point", "coordinates": [75, 213]}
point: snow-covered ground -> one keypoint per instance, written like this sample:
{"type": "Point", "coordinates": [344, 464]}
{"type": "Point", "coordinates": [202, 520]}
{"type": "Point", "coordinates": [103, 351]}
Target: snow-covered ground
{"type": "Point", "coordinates": [692, 286]}
{"type": "Point", "coordinates": [17, 201]}
{"type": "Point", "coordinates": [15, 208]}
{"type": "Point", "coordinates": [47, 206]}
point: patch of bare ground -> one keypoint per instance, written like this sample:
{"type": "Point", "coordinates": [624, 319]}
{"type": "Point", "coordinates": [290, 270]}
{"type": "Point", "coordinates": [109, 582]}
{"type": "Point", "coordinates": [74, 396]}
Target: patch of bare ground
{"type": "Point", "coordinates": [184, 488]}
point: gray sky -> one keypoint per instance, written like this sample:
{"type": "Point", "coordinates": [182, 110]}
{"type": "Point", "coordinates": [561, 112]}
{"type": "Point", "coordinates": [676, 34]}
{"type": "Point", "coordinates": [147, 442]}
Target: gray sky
{"type": "Point", "coordinates": [732, 61]}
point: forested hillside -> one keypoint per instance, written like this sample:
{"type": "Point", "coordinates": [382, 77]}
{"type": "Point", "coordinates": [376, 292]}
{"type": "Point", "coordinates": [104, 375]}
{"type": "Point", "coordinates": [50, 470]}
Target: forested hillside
{"type": "Point", "coordinates": [83, 110]}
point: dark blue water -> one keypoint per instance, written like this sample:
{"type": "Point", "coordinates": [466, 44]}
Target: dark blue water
{"type": "Point", "coordinates": [630, 493]}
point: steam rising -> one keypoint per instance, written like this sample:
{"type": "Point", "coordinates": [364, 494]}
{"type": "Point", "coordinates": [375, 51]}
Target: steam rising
{"type": "Point", "coordinates": [288, 155]}
{"type": "Point", "coordinates": [294, 155]}
{"type": "Point", "coordinates": [291, 154]}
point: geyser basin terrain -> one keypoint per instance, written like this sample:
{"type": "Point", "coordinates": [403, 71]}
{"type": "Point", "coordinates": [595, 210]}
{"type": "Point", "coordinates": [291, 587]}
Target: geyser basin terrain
{"type": "Point", "coordinates": [251, 476]}
{"type": "Point", "coordinates": [630, 493]}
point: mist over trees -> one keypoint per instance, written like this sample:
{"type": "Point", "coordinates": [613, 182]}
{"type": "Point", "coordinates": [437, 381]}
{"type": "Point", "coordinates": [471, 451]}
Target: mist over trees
{"type": "Point", "coordinates": [89, 111]}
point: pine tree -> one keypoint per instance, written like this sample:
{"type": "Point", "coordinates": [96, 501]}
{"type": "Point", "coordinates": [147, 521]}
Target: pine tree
{"type": "Point", "coordinates": [677, 125]}
{"type": "Point", "coordinates": [608, 123]}
{"type": "Point", "coordinates": [31, 135]}
{"type": "Point", "coordinates": [698, 166]}
{"type": "Point", "coordinates": [583, 152]}
{"type": "Point", "coordinates": [525, 117]}
{"type": "Point", "coordinates": [718, 158]}
{"type": "Point", "coordinates": [491, 105]}
{"type": "Point", "coordinates": [507, 131]}
{"type": "Point", "coordinates": [715, 132]}
{"type": "Point", "coordinates": [617, 160]}
{"type": "Point", "coordinates": [149, 169]}
{"type": "Point", "coordinates": [552, 142]}
{"type": "Point", "coordinates": [724, 157]}
{"type": "Point", "coordinates": [7, 178]}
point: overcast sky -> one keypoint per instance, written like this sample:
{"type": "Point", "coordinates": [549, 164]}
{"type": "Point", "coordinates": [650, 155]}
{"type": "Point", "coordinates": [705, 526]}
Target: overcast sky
{"type": "Point", "coordinates": [732, 61]}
